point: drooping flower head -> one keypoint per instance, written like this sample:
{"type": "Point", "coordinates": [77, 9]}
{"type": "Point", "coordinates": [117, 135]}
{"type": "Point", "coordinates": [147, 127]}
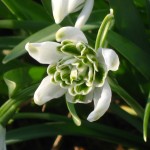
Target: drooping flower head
{"type": "Point", "coordinates": [61, 8]}
{"type": "Point", "coordinates": [75, 69]}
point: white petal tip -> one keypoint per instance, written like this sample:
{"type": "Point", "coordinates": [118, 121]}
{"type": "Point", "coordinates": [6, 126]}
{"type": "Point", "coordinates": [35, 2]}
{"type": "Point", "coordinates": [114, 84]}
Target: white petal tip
{"type": "Point", "coordinates": [27, 46]}
{"type": "Point", "coordinates": [57, 20]}
{"type": "Point", "coordinates": [92, 118]}
{"type": "Point", "coordinates": [38, 102]}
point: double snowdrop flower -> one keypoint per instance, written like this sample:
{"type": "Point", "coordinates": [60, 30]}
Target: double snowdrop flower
{"type": "Point", "coordinates": [75, 69]}
{"type": "Point", "coordinates": [61, 8]}
{"type": "Point", "coordinates": [2, 138]}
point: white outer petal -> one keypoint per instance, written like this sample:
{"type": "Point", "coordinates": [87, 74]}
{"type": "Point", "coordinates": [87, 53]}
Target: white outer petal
{"type": "Point", "coordinates": [111, 59]}
{"type": "Point", "coordinates": [47, 91]}
{"type": "Point", "coordinates": [60, 10]}
{"type": "Point", "coordinates": [45, 52]}
{"type": "Point", "coordinates": [87, 99]}
{"type": "Point", "coordinates": [85, 13]}
{"type": "Point", "coordinates": [73, 4]}
{"type": "Point", "coordinates": [2, 138]}
{"type": "Point", "coordinates": [71, 34]}
{"type": "Point", "coordinates": [102, 102]}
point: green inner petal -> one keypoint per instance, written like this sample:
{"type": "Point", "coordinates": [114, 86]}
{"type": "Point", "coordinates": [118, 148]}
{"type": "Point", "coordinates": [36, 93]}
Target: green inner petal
{"type": "Point", "coordinates": [74, 74]}
{"type": "Point", "coordinates": [63, 85]}
{"type": "Point", "coordinates": [70, 49]}
{"type": "Point", "coordinates": [100, 77]}
{"type": "Point", "coordinates": [91, 76]}
{"type": "Point", "coordinates": [93, 60]}
{"type": "Point", "coordinates": [82, 89]}
{"type": "Point", "coordinates": [57, 77]}
{"type": "Point", "coordinates": [52, 69]}
{"type": "Point", "coordinates": [79, 98]}
{"type": "Point", "coordinates": [66, 42]}
{"type": "Point", "coordinates": [65, 74]}
{"type": "Point", "coordinates": [72, 91]}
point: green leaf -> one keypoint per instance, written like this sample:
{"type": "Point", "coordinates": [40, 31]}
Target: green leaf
{"type": "Point", "coordinates": [45, 34]}
{"type": "Point", "coordinates": [74, 115]}
{"type": "Point", "coordinates": [133, 120]}
{"type": "Point", "coordinates": [21, 78]}
{"type": "Point", "coordinates": [9, 108]}
{"type": "Point", "coordinates": [135, 55]}
{"type": "Point", "coordinates": [97, 131]}
{"type": "Point", "coordinates": [10, 41]}
{"type": "Point", "coordinates": [130, 27]}
{"type": "Point", "coordinates": [127, 98]}
{"type": "Point", "coordinates": [33, 25]}
{"type": "Point", "coordinates": [48, 8]}
{"type": "Point", "coordinates": [28, 10]}
{"type": "Point", "coordinates": [146, 119]}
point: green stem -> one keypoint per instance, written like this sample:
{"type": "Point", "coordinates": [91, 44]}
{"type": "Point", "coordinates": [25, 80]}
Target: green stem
{"type": "Point", "coordinates": [103, 30]}
{"type": "Point", "coordinates": [8, 111]}
{"type": "Point", "coordinates": [9, 108]}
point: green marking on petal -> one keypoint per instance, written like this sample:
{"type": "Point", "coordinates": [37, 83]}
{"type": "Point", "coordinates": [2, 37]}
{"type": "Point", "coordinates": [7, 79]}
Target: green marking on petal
{"type": "Point", "coordinates": [70, 49]}
{"type": "Point", "coordinates": [82, 89]}
{"type": "Point", "coordinates": [74, 74]}
{"type": "Point", "coordinates": [72, 91]}
{"type": "Point", "coordinates": [91, 76]}
{"type": "Point", "coordinates": [57, 77]}
{"type": "Point", "coordinates": [100, 77]}
{"type": "Point", "coordinates": [79, 98]}
{"type": "Point", "coordinates": [93, 60]}
{"type": "Point", "coordinates": [81, 46]}
{"type": "Point", "coordinates": [66, 42]}
{"type": "Point", "coordinates": [65, 74]}
{"type": "Point", "coordinates": [59, 48]}
{"type": "Point", "coordinates": [52, 69]}
{"type": "Point", "coordinates": [63, 85]}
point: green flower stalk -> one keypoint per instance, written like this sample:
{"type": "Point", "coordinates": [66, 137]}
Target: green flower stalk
{"type": "Point", "coordinates": [75, 69]}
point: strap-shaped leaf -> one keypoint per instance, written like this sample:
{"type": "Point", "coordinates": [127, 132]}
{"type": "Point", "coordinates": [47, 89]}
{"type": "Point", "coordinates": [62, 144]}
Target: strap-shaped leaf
{"type": "Point", "coordinates": [146, 119]}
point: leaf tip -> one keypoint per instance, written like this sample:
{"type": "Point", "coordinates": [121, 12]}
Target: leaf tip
{"type": "Point", "coordinates": [145, 138]}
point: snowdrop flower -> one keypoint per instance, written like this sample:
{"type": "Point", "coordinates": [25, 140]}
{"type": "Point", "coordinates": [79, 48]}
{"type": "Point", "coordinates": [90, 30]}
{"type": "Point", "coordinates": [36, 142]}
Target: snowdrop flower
{"type": "Point", "coordinates": [61, 8]}
{"type": "Point", "coordinates": [75, 69]}
{"type": "Point", "coordinates": [2, 138]}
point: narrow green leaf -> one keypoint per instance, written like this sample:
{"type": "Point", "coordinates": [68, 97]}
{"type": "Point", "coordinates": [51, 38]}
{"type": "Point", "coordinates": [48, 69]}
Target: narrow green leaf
{"type": "Point", "coordinates": [130, 27]}
{"type": "Point", "coordinates": [27, 76]}
{"type": "Point", "coordinates": [127, 98]}
{"type": "Point", "coordinates": [97, 131]}
{"type": "Point", "coordinates": [72, 110]}
{"type": "Point", "coordinates": [148, 10]}
{"type": "Point", "coordinates": [42, 116]}
{"type": "Point", "coordinates": [10, 41]}
{"type": "Point", "coordinates": [48, 8]}
{"type": "Point", "coordinates": [135, 55]}
{"type": "Point", "coordinates": [20, 24]}
{"type": "Point", "coordinates": [28, 10]}
{"type": "Point", "coordinates": [133, 120]}
{"type": "Point", "coordinates": [9, 108]}
{"type": "Point", "coordinates": [146, 119]}
{"type": "Point", "coordinates": [45, 34]}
